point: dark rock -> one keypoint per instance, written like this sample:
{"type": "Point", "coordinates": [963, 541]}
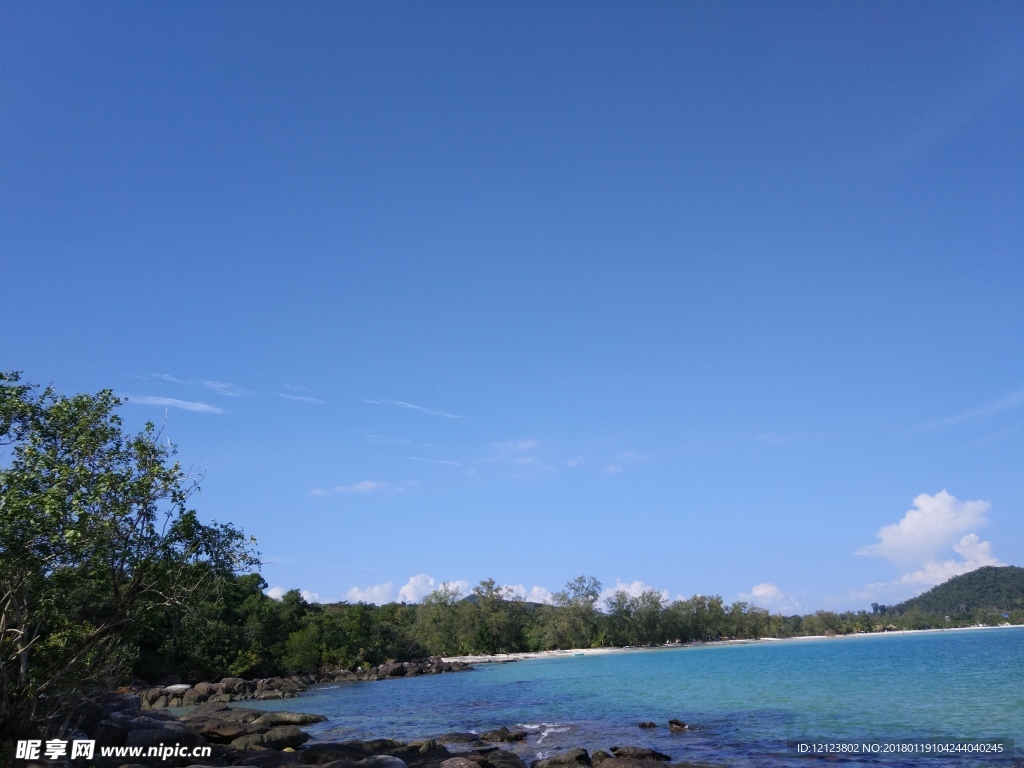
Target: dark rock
{"type": "Point", "coordinates": [120, 702]}
{"type": "Point", "coordinates": [648, 724]}
{"type": "Point", "coordinates": [316, 754]}
{"type": "Point", "coordinates": [458, 738]}
{"type": "Point", "coordinates": [203, 689]}
{"type": "Point", "coordinates": [282, 736]}
{"type": "Point", "coordinates": [639, 753]}
{"type": "Point", "coordinates": [460, 762]}
{"type": "Point", "coordinates": [502, 759]}
{"type": "Point", "coordinates": [677, 726]}
{"type": "Point", "coordinates": [287, 718]}
{"type": "Point", "coordinates": [276, 738]}
{"type": "Point", "coordinates": [503, 734]}
{"type": "Point", "coordinates": [109, 734]}
{"type": "Point", "coordinates": [206, 709]}
{"type": "Point", "coordinates": [383, 746]}
{"type": "Point", "coordinates": [626, 762]}
{"type": "Point", "coordinates": [168, 733]}
{"type": "Point", "coordinates": [577, 756]}
{"type": "Point", "coordinates": [219, 730]}
{"type": "Point", "coordinates": [599, 756]}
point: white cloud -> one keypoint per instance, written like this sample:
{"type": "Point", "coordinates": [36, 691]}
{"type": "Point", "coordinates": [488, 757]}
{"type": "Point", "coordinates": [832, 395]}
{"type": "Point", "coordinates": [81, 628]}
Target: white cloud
{"type": "Point", "coordinates": [225, 388]}
{"type": "Point", "coordinates": [171, 402]}
{"type": "Point", "coordinates": [416, 588]}
{"type": "Point", "coordinates": [534, 595]}
{"type": "Point", "coordinates": [276, 592]}
{"type": "Point", "coordinates": [301, 398]}
{"type": "Point", "coordinates": [575, 461]}
{"type": "Point", "coordinates": [377, 593]}
{"type": "Point", "coordinates": [767, 595]}
{"type": "Point", "coordinates": [931, 526]}
{"type": "Point", "coordinates": [633, 589]}
{"type": "Point", "coordinates": [364, 486]}
{"type": "Point", "coordinates": [413, 407]}
{"type": "Point", "coordinates": [310, 597]}
{"type": "Point", "coordinates": [976, 554]}
{"type": "Point", "coordinates": [447, 462]}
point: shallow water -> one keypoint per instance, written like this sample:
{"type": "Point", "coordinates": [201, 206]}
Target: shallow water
{"type": "Point", "coordinates": [746, 700]}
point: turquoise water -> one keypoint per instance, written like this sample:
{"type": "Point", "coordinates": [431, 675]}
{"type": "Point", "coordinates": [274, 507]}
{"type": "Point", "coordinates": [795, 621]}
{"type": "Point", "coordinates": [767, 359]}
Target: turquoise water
{"type": "Point", "coordinates": [746, 700]}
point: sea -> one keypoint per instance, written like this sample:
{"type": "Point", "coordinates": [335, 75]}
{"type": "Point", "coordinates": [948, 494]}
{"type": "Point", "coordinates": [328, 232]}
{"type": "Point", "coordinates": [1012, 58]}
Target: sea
{"type": "Point", "coordinates": [897, 699]}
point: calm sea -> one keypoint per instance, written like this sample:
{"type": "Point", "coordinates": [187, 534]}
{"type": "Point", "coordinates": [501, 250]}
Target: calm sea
{"type": "Point", "coordinates": [746, 701]}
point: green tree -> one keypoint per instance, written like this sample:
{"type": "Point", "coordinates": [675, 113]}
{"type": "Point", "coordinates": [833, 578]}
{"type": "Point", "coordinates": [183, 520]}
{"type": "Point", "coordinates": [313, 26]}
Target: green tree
{"type": "Point", "coordinates": [96, 538]}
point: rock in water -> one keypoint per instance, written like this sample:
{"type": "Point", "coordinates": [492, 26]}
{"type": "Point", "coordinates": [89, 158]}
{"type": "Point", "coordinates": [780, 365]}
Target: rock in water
{"type": "Point", "coordinates": [639, 753]}
{"type": "Point", "coordinates": [648, 724]}
{"type": "Point", "coordinates": [676, 726]}
{"type": "Point", "coordinates": [577, 756]}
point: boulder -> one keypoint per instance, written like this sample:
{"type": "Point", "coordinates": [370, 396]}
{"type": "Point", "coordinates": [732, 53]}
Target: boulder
{"type": "Point", "coordinates": [639, 753]}
{"type": "Point", "coordinates": [502, 759]}
{"type": "Point", "coordinates": [459, 762]}
{"type": "Point", "coordinates": [203, 689]}
{"type": "Point", "coordinates": [677, 726]}
{"type": "Point", "coordinates": [276, 738]}
{"type": "Point", "coordinates": [577, 756]}
{"type": "Point", "coordinates": [648, 724]}
{"type": "Point", "coordinates": [458, 738]}
{"type": "Point", "coordinates": [287, 718]}
{"type": "Point", "coordinates": [599, 757]}
{"type": "Point", "coordinates": [626, 762]}
{"type": "Point", "coordinates": [329, 752]}
{"type": "Point", "coordinates": [109, 734]}
{"type": "Point", "coordinates": [503, 734]}
{"type": "Point", "coordinates": [167, 734]}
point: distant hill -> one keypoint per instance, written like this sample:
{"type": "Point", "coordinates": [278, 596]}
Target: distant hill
{"type": "Point", "coordinates": [1000, 588]}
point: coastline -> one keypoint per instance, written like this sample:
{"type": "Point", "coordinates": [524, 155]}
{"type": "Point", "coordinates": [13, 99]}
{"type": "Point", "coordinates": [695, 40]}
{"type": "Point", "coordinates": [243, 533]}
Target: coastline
{"type": "Point", "coordinates": [504, 658]}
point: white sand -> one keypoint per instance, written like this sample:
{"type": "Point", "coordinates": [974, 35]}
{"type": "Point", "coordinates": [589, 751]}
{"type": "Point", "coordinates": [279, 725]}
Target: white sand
{"type": "Point", "coordinates": [502, 657]}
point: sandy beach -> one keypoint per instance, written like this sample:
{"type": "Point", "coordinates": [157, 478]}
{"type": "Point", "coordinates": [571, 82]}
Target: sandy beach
{"type": "Point", "coordinates": [501, 658]}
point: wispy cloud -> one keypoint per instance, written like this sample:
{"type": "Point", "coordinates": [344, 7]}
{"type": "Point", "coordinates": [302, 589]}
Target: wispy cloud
{"type": "Point", "coordinates": [447, 462]}
{"type": "Point", "coordinates": [172, 402]}
{"type": "Point", "coordinates": [225, 388]}
{"type": "Point", "coordinates": [385, 439]}
{"type": "Point", "coordinates": [414, 407]}
{"type": "Point", "coordinates": [301, 398]}
{"type": "Point", "coordinates": [1003, 404]}
{"type": "Point", "coordinates": [627, 457]}
{"type": "Point", "coordinates": [364, 486]}
{"type": "Point", "coordinates": [220, 387]}
{"type": "Point", "coordinates": [575, 461]}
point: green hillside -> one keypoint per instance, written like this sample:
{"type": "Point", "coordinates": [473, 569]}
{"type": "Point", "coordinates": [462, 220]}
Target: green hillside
{"type": "Point", "coordinates": [988, 588]}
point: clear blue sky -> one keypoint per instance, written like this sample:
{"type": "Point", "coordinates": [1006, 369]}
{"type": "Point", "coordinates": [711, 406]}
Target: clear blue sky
{"type": "Point", "coordinates": [697, 295]}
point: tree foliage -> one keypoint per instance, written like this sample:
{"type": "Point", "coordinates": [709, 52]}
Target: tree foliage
{"type": "Point", "coordinates": [96, 541]}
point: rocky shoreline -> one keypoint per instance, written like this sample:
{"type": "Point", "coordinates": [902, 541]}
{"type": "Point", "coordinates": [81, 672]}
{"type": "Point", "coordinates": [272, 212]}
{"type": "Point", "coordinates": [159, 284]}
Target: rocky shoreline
{"type": "Point", "coordinates": [178, 694]}
{"type": "Point", "coordinates": [239, 736]}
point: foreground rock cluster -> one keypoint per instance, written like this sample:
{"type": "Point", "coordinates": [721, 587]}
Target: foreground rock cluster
{"type": "Point", "coordinates": [237, 689]}
{"type": "Point", "coordinates": [239, 736]}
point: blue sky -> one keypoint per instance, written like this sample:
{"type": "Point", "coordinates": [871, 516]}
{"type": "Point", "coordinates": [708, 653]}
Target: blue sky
{"type": "Point", "coordinates": [711, 298]}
